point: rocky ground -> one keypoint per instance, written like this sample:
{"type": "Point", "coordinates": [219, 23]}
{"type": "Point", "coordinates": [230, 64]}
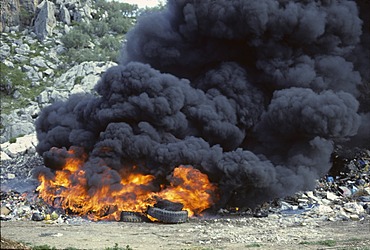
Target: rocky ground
{"type": "Point", "coordinates": [335, 215]}
{"type": "Point", "coordinates": [232, 232]}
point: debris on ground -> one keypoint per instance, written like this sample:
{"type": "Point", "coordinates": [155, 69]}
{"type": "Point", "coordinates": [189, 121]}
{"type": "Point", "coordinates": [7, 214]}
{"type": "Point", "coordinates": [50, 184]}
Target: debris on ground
{"type": "Point", "coordinates": [343, 194]}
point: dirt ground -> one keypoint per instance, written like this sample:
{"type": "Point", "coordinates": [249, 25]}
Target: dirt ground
{"type": "Point", "coordinates": [224, 233]}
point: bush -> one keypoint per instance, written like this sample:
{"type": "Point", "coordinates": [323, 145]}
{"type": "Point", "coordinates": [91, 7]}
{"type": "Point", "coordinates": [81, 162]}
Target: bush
{"type": "Point", "coordinates": [120, 19]}
{"type": "Point", "coordinates": [81, 55]}
{"type": "Point", "coordinates": [75, 39]}
{"type": "Point", "coordinates": [120, 25]}
{"type": "Point", "coordinates": [100, 28]}
{"type": "Point", "coordinates": [25, 16]}
{"type": "Point", "coordinates": [110, 43]}
{"type": "Point", "coordinates": [10, 78]}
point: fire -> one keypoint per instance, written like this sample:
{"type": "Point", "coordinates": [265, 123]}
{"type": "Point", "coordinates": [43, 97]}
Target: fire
{"type": "Point", "coordinates": [71, 190]}
{"type": "Point", "coordinates": [191, 188]}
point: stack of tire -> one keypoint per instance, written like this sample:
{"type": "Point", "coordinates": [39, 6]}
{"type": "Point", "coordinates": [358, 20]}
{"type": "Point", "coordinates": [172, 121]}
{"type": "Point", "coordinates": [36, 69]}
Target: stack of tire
{"type": "Point", "coordinates": [168, 212]}
{"type": "Point", "coordinates": [163, 211]}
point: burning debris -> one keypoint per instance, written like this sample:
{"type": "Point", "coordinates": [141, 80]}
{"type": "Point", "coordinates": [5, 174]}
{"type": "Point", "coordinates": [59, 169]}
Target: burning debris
{"type": "Point", "coordinates": [326, 202]}
{"type": "Point", "coordinates": [67, 188]}
{"type": "Point", "coordinates": [250, 96]}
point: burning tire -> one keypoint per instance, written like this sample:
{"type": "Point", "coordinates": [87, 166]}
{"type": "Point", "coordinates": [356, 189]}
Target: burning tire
{"type": "Point", "coordinates": [168, 216]}
{"type": "Point", "coordinates": [169, 205]}
{"type": "Point", "coordinates": [127, 216]}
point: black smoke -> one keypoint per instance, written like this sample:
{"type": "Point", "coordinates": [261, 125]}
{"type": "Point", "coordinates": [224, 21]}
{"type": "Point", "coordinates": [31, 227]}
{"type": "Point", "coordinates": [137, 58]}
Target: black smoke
{"type": "Point", "coordinates": [256, 94]}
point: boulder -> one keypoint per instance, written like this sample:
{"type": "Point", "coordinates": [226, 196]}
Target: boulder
{"type": "Point", "coordinates": [16, 129]}
{"type": "Point", "coordinates": [82, 74]}
{"type": "Point", "coordinates": [64, 15]}
{"type": "Point", "coordinates": [79, 79]}
{"type": "Point", "coordinates": [49, 72]}
{"type": "Point", "coordinates": [20, 58]}
{"type": "Point", "coordinates": [39, 62]}
{"type": "Point", "coordinates": [45, 20]}
{"type": "Point", "coordinates": [24, 144]}
{"type": "Point", "coordinates": [4, 51]}
{"type": "Point", "coordinates": [4, 156]}
{"type": "Point", "coordinates": [26, 68]}
{"type": "Point", "coordinates": [8, 63]}
{"type": "Point", "coordinates": [23, 49]}
{"type": "Point", "coordinates": [19, 122]}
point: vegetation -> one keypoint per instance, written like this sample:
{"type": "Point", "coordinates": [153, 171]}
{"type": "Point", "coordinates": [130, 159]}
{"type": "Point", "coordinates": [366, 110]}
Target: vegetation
{"type": "Point", "coordinates": [13, 140]}
{"type": "Point", "coordinates": [101, 38]}
{"type": "Point", "coordinates": [328, 243]}
{"type": "Point", "coordinates": [25, 16]}
{"type": "Point", "coordinates": [14, 84]}
{"type": "Point", "coordinates": [15, 89]}
{"type": "Point", "coordinates": [116, 247]}
{"type": "Point", "coordinates": [253, 245]}
{"type": "Point", "coordinates": [47, 247]}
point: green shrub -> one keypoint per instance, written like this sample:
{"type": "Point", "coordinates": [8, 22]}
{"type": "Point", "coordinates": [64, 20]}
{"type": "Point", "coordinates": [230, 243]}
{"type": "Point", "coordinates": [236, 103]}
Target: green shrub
{"type": "Point", "coordinates": [100, 28]}
{"type": "Point", "coordinates": [25, 16]}
{"type": "Point", "coordinates": [11, 77]}
{"type": "Point", "coordinates": [78, 79]}
{"type": "Point", "coordinates": [43, 247]}
{"type": "Point", "coordinates": [75, 39]}
{"type": "Point", "coordinates": [120, 24]}
{"type": "Point", "coordinates": [110, 43]}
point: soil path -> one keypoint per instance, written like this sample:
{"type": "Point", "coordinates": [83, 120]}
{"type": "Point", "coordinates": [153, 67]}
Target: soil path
{"type": "Point", "coordinates": [225, 233]}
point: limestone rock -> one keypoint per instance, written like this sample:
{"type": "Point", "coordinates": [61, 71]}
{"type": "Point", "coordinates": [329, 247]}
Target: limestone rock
{"type": "Point", "coordinates": [23, 49]}
{"type": "Point", "coordinates": [24, 144]}
{"type": "Point", "coordinates": [64, 15]}
{"type": "Point", "coordinates": [4, 50]}
{"type": "Point", "coordinates": [10, 10]}
{"type": "Point", "coordinates": [20, 58]}
{"type": "Point", "coordinates": [26, 68]}
{"type": "Point", "coordinates": [38, 61]}
{"type": "Point", "coordinates": [18, 128]}
{"type": "Point", "coordinates": [45, 20]}
{"type": "Point", "coordinates": [19, 122]}
{"type": "Point", "coordinates": [82, 74]}
{"type": "Point", "coordinates": [8, 63]}
{"type": "Point", "coordinates": [4, 156]}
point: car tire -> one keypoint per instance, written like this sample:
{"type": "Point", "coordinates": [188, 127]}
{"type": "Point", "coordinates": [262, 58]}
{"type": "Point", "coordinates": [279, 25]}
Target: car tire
{"type": "Point", "coordinates": [167, 216]}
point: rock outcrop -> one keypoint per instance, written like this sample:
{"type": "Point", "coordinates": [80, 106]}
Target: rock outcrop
{"type": "Point", "coordinates": [35, 49]}
{"type": "Point", "coordinates": [45, 20]}
{"type": "Point", "coordinates": [79, 79]}
{"type": "Point", "coordinates": [43, 16]}
{"type": "Point", "coordinates": [10, 10]}
{"type": "Point", "coordinates": [17, 12]}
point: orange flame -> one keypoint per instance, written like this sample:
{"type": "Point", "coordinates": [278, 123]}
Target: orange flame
{"type": "Point", "coordinates": [191, 188]}
{"type": "Point", "coordinates": [69, 189]}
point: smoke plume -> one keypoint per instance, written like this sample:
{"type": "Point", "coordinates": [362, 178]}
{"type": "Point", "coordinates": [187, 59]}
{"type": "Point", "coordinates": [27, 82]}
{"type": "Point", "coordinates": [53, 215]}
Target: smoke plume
{"type": "Point", "coordinates": [255, 94]}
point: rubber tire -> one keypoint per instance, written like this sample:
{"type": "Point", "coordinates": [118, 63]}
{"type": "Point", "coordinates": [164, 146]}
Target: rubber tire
{"type": "Point", "coordinates": [127, 216]}
{"type": "Point", "coordinates": [169, 205]}
{"type": "Point", "coordinates": [166, 216]}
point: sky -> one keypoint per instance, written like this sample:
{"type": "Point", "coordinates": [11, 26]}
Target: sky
{"type": "Point", "coordinates": [143, 3]}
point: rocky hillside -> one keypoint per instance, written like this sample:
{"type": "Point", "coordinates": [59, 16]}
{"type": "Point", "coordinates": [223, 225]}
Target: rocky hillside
{"type": "Point", "coordinates": [52, 49]}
